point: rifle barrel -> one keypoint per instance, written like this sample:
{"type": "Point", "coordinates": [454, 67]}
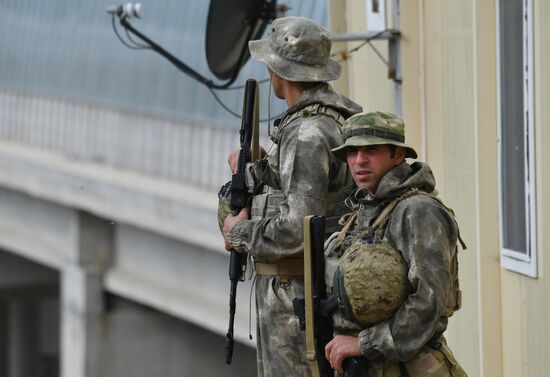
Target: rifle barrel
{"type": "Point", "coordinates": [239, 200]}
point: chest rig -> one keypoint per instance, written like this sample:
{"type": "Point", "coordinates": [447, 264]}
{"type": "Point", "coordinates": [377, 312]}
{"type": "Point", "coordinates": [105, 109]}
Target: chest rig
{"type": "Point", "coordinates": [266, 204]}
{"type": "Point", "coordinates": [375, 233]}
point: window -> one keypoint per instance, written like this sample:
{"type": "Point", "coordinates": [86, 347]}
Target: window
{"type": "Point", "coordinates": [516, 137]}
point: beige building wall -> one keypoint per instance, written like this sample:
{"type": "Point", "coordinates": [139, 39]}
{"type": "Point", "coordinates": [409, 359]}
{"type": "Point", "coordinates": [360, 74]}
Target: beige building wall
{"type": "Point", "coordinates": [526, 301]}
{"type": "Point", "coordinates": [449, 141]}
{"type": "Point", "coordinates": [486, 200]}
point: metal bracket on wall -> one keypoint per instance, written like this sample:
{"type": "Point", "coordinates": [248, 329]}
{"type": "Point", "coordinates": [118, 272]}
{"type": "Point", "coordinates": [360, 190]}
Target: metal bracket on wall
{"type": "Point", "coordinates": [393, 35]}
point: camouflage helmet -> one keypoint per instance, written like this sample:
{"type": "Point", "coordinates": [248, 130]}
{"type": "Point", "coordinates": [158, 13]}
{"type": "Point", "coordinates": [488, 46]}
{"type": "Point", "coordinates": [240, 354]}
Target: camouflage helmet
{"type": "Point", "coordinates": [370, 282]}
{"type": "Point", "coordinates": [224, 204]}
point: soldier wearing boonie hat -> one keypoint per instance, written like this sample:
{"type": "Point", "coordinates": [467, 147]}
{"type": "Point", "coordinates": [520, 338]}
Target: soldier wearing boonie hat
{"type": "Point", "coordinates": [298, 177]}
{"type": "Point", "coordinates": [374, 128]}
{"type": "Point", "coordinates": [395, 211]}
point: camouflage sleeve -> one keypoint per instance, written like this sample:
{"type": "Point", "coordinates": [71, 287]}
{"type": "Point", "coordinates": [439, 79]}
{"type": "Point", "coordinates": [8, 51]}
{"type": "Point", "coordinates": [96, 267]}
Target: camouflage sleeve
{"type": "Point", "coordinates": [259, 173]}
{"type": "Point", "coordinates": [304, 173]}
{"type": "Point", "coordinates": [426, 236]}
{"type": "Point", "coordinates": [252, 176]}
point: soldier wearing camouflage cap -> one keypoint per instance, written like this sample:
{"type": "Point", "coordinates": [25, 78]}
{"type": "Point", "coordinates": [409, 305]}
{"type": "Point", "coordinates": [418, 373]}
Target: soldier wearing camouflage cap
{"type": "Point", "coordinates": [298, 177]}
{"type": "Point", "coordinates": [396, 327]}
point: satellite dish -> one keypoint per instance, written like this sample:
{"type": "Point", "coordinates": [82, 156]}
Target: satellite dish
{"type": "Point", "coordinates": [231, 24]}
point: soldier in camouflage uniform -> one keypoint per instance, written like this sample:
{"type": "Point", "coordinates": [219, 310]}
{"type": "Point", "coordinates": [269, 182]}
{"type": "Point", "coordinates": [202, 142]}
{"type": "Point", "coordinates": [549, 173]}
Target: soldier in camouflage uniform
{"type": "Point", "coordinates": [295, 179]}
{"type": "Point", "coordinates": [396, 205]}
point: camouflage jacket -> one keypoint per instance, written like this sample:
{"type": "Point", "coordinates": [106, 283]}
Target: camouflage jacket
{"type": "Point", "coordinates": [295, 177]}
{"type": "Point", "coordinates": [425, 233]}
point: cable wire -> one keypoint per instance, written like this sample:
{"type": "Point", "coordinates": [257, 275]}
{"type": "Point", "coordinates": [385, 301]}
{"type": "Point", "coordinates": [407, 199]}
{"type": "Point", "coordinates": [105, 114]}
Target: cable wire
{"type": "Point", "coordinates": [344, 54]}
{"type": "Point", "coordinates": [263, 81]}
{"type": "Point", "coordinates": [223, 104]}
{"type": "Point", "coordinates": [137, 44]}
{"type": "Point", "coordinates": [237, 115]}
{"type": "Point", "coordinates": [208, 83]}
{"type": "Point", "coordinates": [138, 47]}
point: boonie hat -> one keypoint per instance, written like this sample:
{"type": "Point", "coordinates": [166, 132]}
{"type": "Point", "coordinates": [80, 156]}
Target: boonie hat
{"type": "Point", "coordinates": [297, 49]}
{"type": "Point", "coordinates": [373, 128]}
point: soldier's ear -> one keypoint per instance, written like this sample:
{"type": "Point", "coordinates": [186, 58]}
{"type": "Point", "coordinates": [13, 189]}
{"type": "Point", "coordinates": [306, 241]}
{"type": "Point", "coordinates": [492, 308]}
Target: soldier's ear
{"type": "Point", "coordinates": [399, 156]}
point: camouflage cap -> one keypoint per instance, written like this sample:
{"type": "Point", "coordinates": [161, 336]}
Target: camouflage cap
{"type": "Point", "coordinates": [374, 128]}
{"type": "Point", "coordinates": [297, 49]}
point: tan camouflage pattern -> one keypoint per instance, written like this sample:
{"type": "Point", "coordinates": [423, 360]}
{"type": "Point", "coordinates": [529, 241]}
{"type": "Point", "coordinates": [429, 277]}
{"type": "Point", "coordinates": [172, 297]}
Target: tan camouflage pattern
{"type": "Point", "coordinates": [224, 210]}
{"type": "Point", "coordinates": [292, 181]}
{"type": "Point", "coordinates": [425, 233]}
{"type": "Point", "coordinates": [281, 347]}
{"type": "Point", "coordinates": [375, 281]}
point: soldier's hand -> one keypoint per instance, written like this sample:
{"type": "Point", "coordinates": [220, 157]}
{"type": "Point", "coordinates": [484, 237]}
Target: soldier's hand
{"type": "Point", "coordinates": [229, 223]}
{"type": "Point", "coordinates": [233, 160]}
{"type": "Point", "coordinates": [262, 152]}
{"type": "Point", "coordinates": [340, 348]}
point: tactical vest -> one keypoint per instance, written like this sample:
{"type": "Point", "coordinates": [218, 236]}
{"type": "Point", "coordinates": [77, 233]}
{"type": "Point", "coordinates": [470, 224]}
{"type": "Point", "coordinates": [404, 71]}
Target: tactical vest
{"type": "Point", "coordinates": [266, 204]}
{"type": "Point", "coordinates": [378, 228]}
{"type": "Point", "coordinates": [435, 359]}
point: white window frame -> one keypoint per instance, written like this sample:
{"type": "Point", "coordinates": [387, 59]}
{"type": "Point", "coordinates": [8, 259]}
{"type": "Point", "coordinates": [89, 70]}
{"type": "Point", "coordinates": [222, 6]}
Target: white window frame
{"type": "Point", "coordinates": [376, 21]}
{"type": "Point", "coordinates": [524, 263]}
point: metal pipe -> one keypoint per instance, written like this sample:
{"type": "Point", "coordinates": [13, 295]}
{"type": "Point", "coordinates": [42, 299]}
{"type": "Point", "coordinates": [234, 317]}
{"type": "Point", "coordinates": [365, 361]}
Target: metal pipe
{"type": "Point", "coordinates": [372, 35]}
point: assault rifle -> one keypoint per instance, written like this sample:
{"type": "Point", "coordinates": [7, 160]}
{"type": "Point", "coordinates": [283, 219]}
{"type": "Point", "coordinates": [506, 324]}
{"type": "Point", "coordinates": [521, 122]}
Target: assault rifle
{"type": "Point", "coordinates": [249, 139]}
{"type": "Point", "coordinates": [316, 309]}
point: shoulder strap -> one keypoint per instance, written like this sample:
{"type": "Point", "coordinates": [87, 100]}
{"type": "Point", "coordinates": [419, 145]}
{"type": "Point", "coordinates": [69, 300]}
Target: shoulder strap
{"type": "Point", "coordinates": [317, 109]}
{"type": "Point", "coordinates": [350, 221]}
{"type": "Point", "coordinates": [379, 222]}
{"type": "Point", "coordinates": [382, 219]}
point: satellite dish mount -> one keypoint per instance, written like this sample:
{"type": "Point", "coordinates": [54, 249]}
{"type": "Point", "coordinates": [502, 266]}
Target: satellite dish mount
{"type": "Point", "coordinates": [231, 24]}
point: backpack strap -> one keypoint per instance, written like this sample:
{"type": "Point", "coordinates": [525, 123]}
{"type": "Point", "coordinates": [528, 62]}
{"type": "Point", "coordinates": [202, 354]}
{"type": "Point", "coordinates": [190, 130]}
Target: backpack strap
{"type": "Point", "coordinates": [343, 233]}
{"type": "Point", "coordinates": [320, 109]}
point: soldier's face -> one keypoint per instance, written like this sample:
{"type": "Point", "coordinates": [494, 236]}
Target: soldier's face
{"type": "Point", "coordinates": [369, 164]}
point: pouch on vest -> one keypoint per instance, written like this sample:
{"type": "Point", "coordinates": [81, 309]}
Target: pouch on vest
{"type": "Point", "coordinates": [432, 362]}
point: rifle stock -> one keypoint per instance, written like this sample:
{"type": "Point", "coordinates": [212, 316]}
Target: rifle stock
{"type": "Point", "coordinates": [318, 322]}
{"type": "Point", "coordinates": [316, 309]}
{"type": "Point", "coordinates": [240, 197]}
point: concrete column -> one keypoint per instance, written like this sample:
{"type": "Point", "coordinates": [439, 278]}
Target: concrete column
{"type": "Point", "coordinates": [4, 346]}
{"type": "Point", "coordinates": [22, 341]}
{"type": "Point", "coordinates": [82, 306]}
